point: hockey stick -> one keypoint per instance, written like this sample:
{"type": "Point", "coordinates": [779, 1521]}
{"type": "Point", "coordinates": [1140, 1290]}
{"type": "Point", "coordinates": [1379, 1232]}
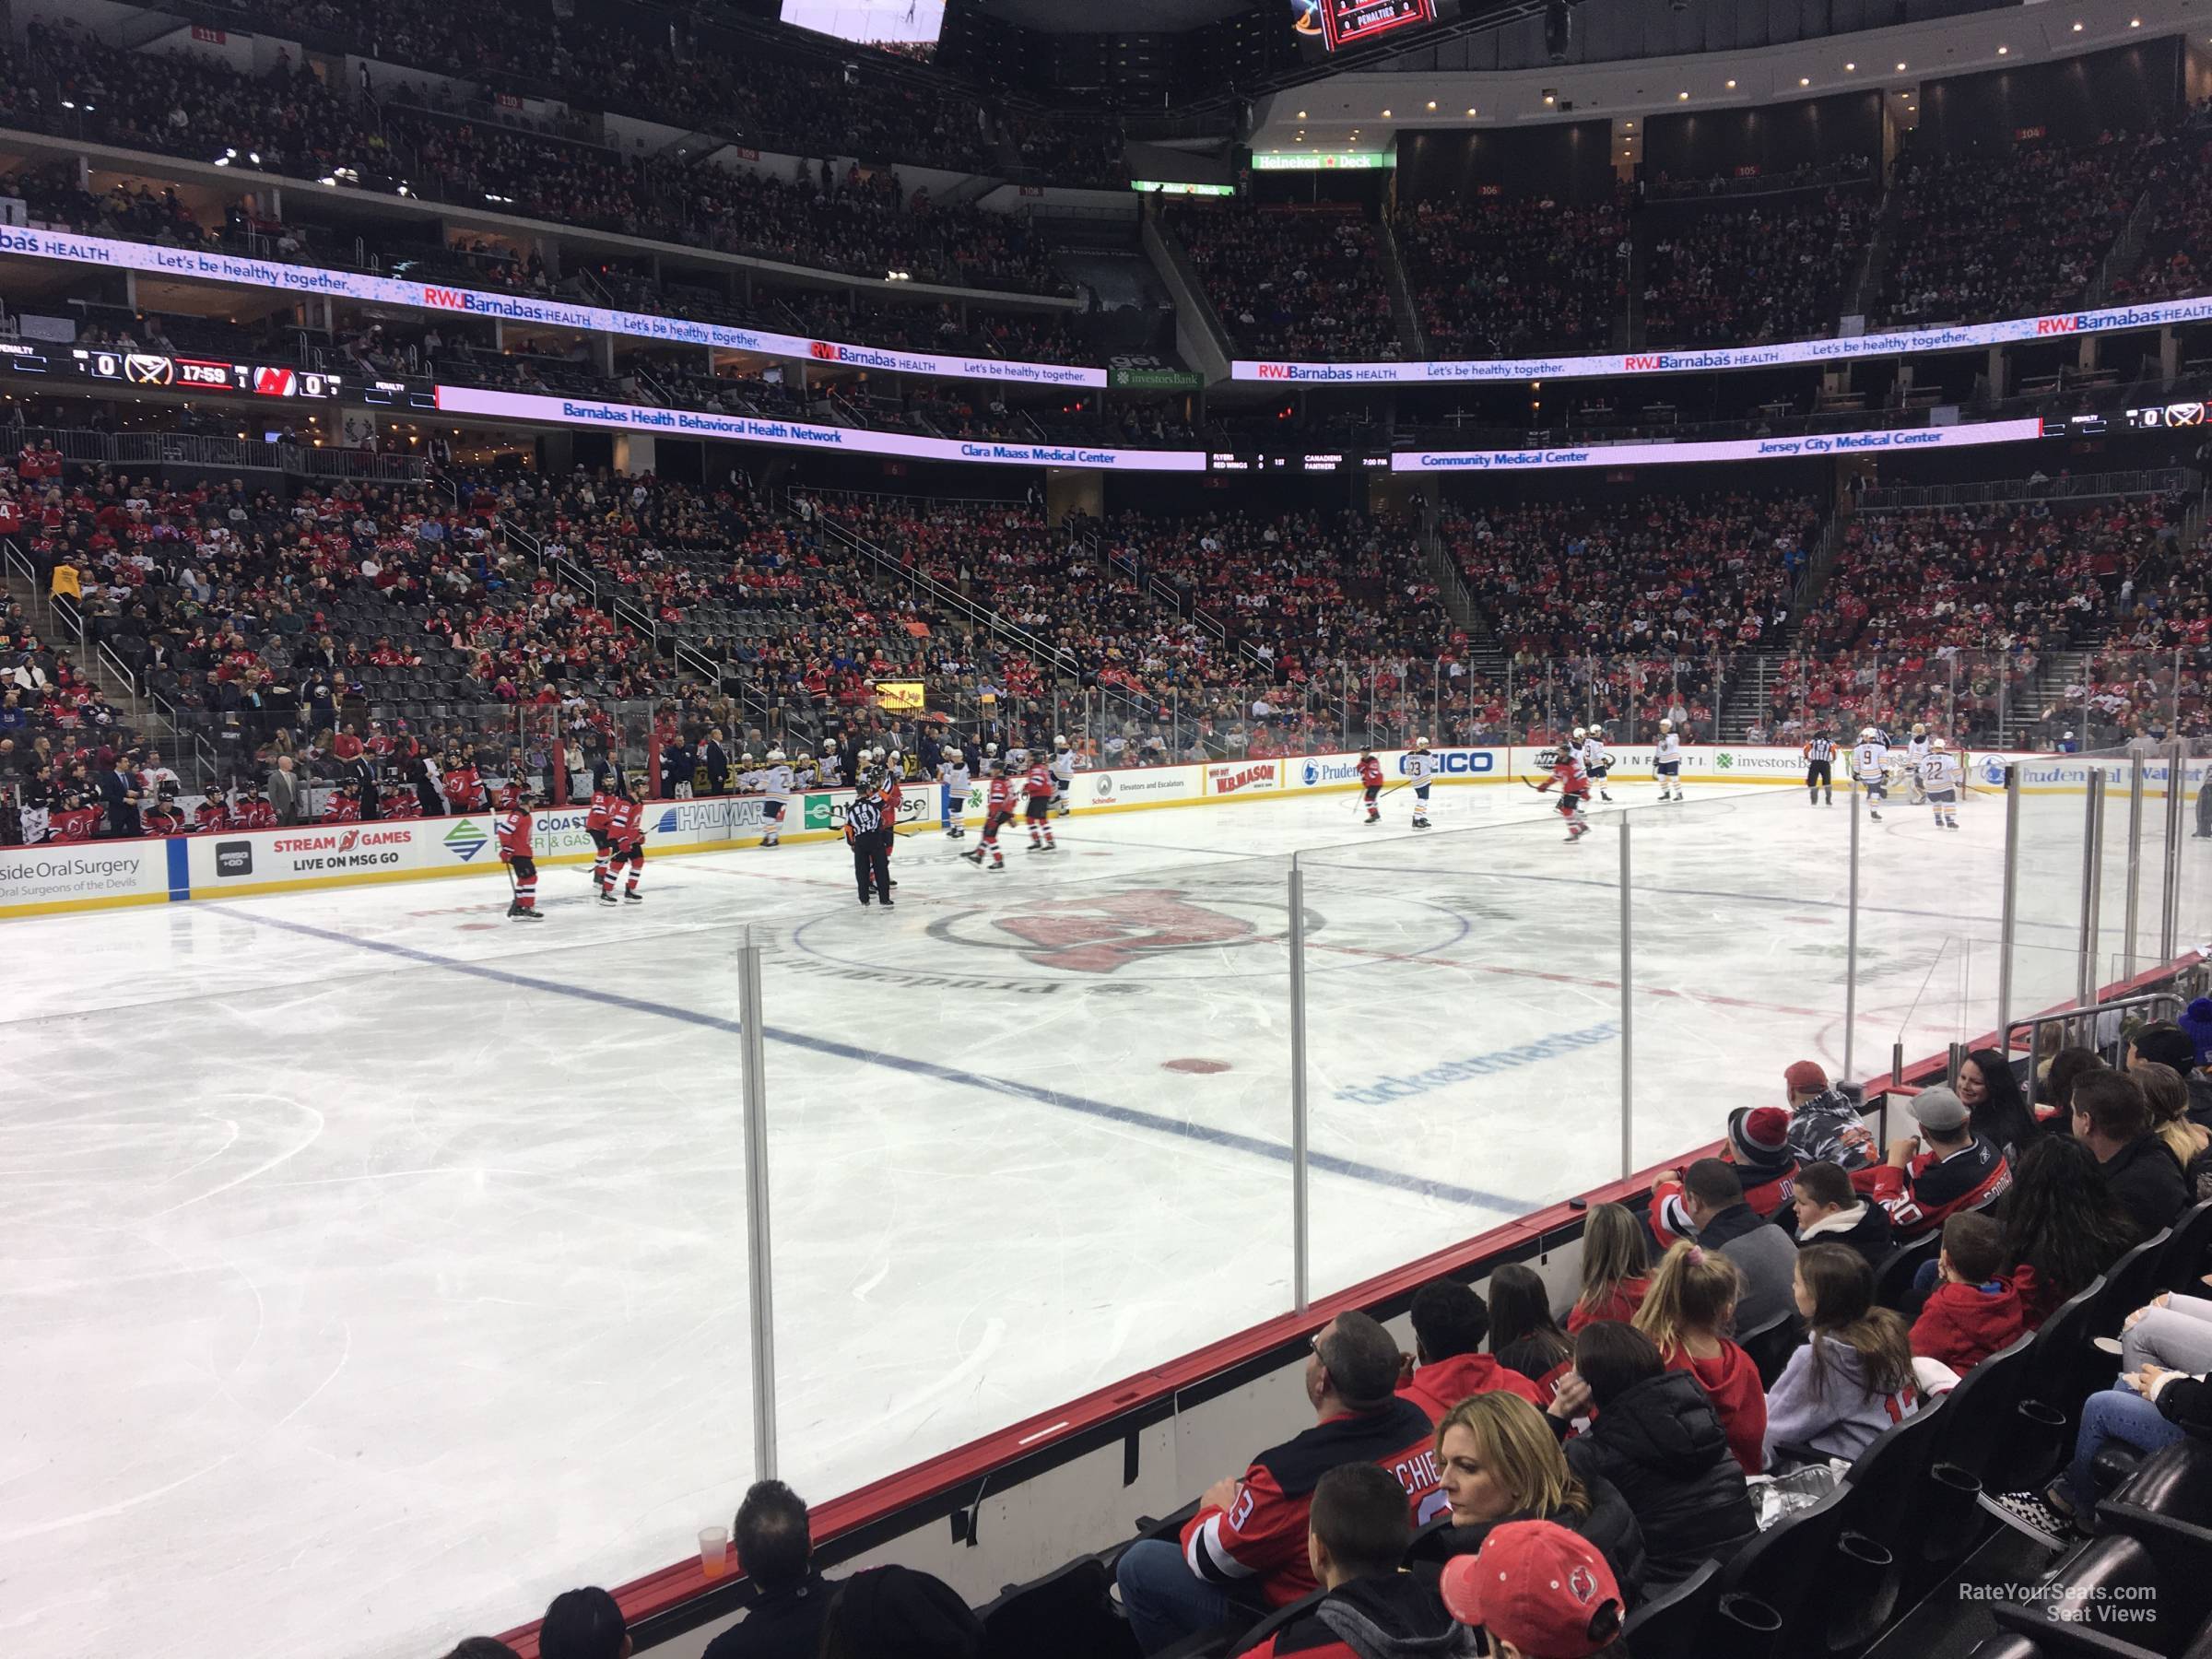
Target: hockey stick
{"type": "Point", "coordinates": [1360, 799]}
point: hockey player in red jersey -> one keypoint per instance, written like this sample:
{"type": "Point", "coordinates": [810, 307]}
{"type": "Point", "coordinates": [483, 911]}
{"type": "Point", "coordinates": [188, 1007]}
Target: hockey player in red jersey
{"type": "Point", "coordinates": [606, 796]}
{"type": "Point", "coordinates": [253, 810]}
{"type": "Point", "coordinates": [513, 826]}
{"type": "Point", "coordinates": [464, 788]}
{"type": "Point", "coordinates": [1370, 784]}
{"type": "Point", "coordinates": [626, 842]}
{"type": "Point", "coordinates": [214, 813]}
{"type": "Point", "coordinates": [1037, 789]}
{"type": "Point", "coordinates": [998, 809]}
{"type": "Point", "coordinates": [1573, 779]}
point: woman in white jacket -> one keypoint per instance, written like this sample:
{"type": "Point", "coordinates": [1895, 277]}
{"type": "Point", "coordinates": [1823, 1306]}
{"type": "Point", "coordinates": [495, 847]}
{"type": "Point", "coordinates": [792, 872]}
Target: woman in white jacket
{"type": "Point", "coordinates": [1853, 1377]}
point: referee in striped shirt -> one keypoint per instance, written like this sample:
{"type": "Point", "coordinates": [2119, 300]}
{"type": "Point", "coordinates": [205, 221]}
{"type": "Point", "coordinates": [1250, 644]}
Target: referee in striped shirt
{"type": "Point", "coordinates": [1819, 766]}
{"type": "Point", "coordinates": [870, 837]}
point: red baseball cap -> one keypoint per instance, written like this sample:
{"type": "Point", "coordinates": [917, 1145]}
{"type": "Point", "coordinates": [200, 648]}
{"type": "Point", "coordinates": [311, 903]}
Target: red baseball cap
{"type": "Point", "coordinates": [1537, 1585]}
{"type": "Point", "coordinates": [1803, 1075]}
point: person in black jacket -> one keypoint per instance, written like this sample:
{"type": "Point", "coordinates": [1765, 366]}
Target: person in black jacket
{"type": "Point", "coordinates": [2112, 1118]}
{"type": "Point", "coordinates": [775, 1546]}
{"type": "Point", "coordinates": [1499, 1461]}
{"type": "Point", "coordinates": [870, 832]}
{"type": "Point", "coordinates": [1657, 1441]}
{"type": "Point", "coordinates": [1826, 1208]}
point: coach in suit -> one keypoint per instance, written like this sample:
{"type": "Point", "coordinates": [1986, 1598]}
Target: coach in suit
{"type": "Point", "coordinates": [714, 771]}
{"type": "Point", "coordinates": [284, 791]}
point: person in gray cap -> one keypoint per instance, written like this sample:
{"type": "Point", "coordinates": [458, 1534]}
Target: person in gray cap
{"type": "Point", "coordinates": [1947, 1168]}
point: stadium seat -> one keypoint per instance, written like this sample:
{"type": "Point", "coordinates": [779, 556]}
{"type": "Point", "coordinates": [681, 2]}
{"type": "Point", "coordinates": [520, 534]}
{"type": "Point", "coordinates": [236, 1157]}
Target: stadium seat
{"type": "Point", "coordinates": [2101, 1598]}
{"type": "Point", "coordinates": [1893, 1278]}
{"type": "Point", "coordinates": [2127, 1285]}
{"type": "Point", "coordinates": [1673, 1625]}
{"type": "Point", "coordinates": [1771, 1348]}
{"type": "Point", "coordinates": [2182, 1265]}
{"type": "Point", "coordinates": [1782, 1568]}
{"type": "Point", "coordinates": [1067, 1612]}
{"type": "Point", "coordinates": [2166, 1506]}
{"type": "Point", "coordinates": [1892, 1503]}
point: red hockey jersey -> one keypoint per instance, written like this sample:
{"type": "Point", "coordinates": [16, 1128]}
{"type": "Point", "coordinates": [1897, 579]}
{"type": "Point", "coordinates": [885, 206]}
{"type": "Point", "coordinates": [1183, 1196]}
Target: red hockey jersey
{"type": "Point", "coordinates": [463, 789]}
{"type": "Point", "coordinates": [1001, 798]}
{"type": "Point", "coordinates": [603, 802]}
{"type": "Point", "coordinates": [1370, 771]}
{"type": "Point", "coordinates": [72, 824]}
{"type": "Point", "coordinates": [626, 823]}
{"type": "Point", "coordinates": [213, 815]}
{"type": "Point", "coordinates": [1570, 774]}
{"type": "Point", "coordinates": [254, 814]}
{"type": "Point", "coordinates": [339, 810]}
{"type": "Point", "coordinates": [513, 827]}
{"type": "Point", "coordinates": [1262, 1535]}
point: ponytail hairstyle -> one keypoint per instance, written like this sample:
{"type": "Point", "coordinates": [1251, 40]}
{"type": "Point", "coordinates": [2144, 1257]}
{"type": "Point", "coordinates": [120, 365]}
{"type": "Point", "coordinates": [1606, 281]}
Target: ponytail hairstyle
{"type": "Point", "coordinates": [1612, 1252]}
{"type": "Point", "coordinates": [1693, 1290]}
{"type": "Point", "coordinates": [1839, 1282]}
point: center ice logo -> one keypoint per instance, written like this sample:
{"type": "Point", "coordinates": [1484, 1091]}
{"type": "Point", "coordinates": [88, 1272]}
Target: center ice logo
{"type": "Point", "coordinates": [1110, 933]}
{"type": "Point", "coordinates": [465, 839]}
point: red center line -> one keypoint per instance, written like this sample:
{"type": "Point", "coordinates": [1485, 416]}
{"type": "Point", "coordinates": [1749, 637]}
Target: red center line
{"type": "Point", "coordinates": [1570, 979]}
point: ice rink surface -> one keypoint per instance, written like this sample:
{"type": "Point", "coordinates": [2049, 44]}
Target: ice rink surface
{"type": "Point", "coordinates": [376, 1267]}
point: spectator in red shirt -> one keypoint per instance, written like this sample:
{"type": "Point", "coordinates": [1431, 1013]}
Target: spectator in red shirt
{"type": "Point", "coordinates": [1688, 1315]}
{"type": "Point", "coordinates": [1448, 1365]}
{"type": "Point", "coordinates": [1613, 1268]}
{"type": "Point", "coordinates": [1973, 1312]}
{"type": "Point", "coordinates": [1959, 1171]}
{"type": "Point", "coordinates": [1251, 1530]}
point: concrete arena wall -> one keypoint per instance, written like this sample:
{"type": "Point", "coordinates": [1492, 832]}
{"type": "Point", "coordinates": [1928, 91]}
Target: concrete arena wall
{"type": "Point", "coordinates": [97, 875]}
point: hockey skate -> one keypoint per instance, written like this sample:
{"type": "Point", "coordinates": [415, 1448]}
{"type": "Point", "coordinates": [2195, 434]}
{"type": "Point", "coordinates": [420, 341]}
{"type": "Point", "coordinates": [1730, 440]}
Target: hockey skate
{"type": "Point", "coordinates": [975, 857]}
{"type": "Point", "coordinates": [607, 896]}
{"type": "Point", "coordinates": [997, 866]}
{"type": "Point", "coordinates": [1602, 795]}
{"type": "Point", "coordinates": [634, 898]}
{"type": "Point", "coordinates": [1421, 823]}
{"type": "Point", "coordinates": [1576, 830]}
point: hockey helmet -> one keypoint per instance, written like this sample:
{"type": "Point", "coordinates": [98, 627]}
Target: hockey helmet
{"type": "Point", "coordinates": [1938, 745]}
{"type": "Point", "coordinates": [1597, 731]}
{"type": "Point", "coordinates": [1059, 740]}
{"type": "Point", "coordinates": [1867, 734]}
{"type": "Point", "coordinates": [1920, 728]}
{"type": "Point", "coordinates": [1666, 726]}
{"type": "Point", "coordinates": [1420, 743]}
{"type": "Point", "coordinates": [774, 756]}
{"type": "Point", "coordinates": [990, 748]}
{"type": "Point", "coordinates": [1581, 731]}
{"type": "Point", "coordinates": [746, 759]}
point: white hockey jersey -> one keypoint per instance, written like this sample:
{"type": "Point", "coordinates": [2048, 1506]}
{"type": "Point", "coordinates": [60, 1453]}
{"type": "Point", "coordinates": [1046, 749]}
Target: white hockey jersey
{"type": "Point", "coordinates": [1668, 749]}
{"type": "Point", "coordinates": [1938, 773]}
{"type": "Point", "coordinates": [749, 781]}
{"type": "Point", "coordinates": [1594, 755]}
{"type": "Point", "coordinates": [1917, 749]}
{"type": "Point", "coordinates": [777, 779]}
{"type": "Point", "coordinates": [1870, 763]}
{"type": "Point", "coordinates": [953, 774]}
{"type": "Point", "coordinates": [1420, 766]}
{"type": "Point", "coordinates": [1063, 766]}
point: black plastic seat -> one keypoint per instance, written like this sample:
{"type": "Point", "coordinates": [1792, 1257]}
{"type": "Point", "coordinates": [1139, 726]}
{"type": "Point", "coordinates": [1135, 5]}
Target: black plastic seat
{"type": "Point", "coordinates": [1893, 1277]}
{"type": "Point", "coordinates": [2103, 1599]}
{"type": "Point", "coordinates": [1067, 1612]}
{"type": "Point", "coordinates": [2166, 1506]}
{"type": "Point", "coordinates": [1782, 1568]}
{"type": "Point", "coordinates": [2188, 1242]}
{"type": "Point", "coordinates": [1673, 1625]}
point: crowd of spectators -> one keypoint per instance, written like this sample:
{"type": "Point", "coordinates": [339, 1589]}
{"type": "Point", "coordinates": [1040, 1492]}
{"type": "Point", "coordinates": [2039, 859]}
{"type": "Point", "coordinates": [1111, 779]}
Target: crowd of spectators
{"type": "Point", "coordinates": [2017, 230]}
{"type": "Point", "coordinates": [862, 222]}
{"type": "Point", "coordinates": [1293, 282]}
{"type": "Point", "coordinates": [1748, 275]}
{"type": "Point", "coordinates": [1506, 275]}
{"type": "Point", "coordinates": [2177, 237]}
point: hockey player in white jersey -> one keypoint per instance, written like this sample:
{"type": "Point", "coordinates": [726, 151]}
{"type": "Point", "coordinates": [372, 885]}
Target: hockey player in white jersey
{"type": "Point", "coordinates": [776, 781]}
{"type": "Point", "coordinates": [1666, 761]}
{"type": "Point", "coordinates": [827, 767]}
{"type": "Point", "coordinates": [1063, 774]}
{"type": "Point", "coordinates": [1870, 770]}
{"type": "Point", "coordinates": [953, 773]}
{"type": "Point", "coordinates": [1938, 774]}
{"type": "Point", "coordinates": [1420, 771]}
{"type": "Point", "coordinates": [1917, 749]}
{"type": "Point", "coordinates": [1597, 760]}
{"type": "Point", "coordinates": [748, 774]}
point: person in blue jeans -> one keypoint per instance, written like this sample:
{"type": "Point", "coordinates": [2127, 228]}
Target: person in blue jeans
{"type": "Point", "coordinates": [2127, 1413]}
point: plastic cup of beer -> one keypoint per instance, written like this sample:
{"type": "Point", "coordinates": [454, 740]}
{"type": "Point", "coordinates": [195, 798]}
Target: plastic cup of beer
{"type": "Point", "coordinates": [713, 1550]}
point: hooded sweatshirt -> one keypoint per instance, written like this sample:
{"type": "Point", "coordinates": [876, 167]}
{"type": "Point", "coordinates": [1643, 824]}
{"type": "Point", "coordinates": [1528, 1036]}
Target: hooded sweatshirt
{"type": "Point", "coordinates": [1661, 1444]}
{"type": "Point", "coordinates": [1444, 1383]}
{"type": "Point", "coordinates": [1393, 1616]}
{"type": "Point", "coordinates": [1730, 1379]}
{"type": "Point", "coordinates": [1963, 1324]}
{"type": "Point", "coordinates": [1839, 1421]}
{"type": "Point", "coordinates": [1827, 1129]}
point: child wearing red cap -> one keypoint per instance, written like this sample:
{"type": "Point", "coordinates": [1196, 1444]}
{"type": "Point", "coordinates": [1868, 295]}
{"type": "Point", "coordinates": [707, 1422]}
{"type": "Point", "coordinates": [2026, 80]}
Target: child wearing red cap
{"type": "Point", "coordinates": [1539, 1591]}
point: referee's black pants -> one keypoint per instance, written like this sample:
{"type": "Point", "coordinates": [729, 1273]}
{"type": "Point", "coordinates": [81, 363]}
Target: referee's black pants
{"type": "Point", "coordinates": [1816, 778]}
{"type": "Point", "coordinates": [872, 866]}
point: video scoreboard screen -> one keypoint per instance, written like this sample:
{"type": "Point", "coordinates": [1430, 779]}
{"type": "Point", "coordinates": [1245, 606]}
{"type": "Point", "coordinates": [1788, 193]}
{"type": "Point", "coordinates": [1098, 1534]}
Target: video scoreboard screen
{"type": "Point", "coordinates": [1229, 462]}
{"type": "Point", "coordinates": [1341, 23]}
{"type": "Point", "coordinates": [161, 373]}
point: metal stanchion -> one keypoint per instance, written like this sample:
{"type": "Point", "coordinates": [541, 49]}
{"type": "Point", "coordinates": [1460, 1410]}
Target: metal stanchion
{"type": "Point", "coordinates": [2170, 896]}
{"type": "Point", "coordinates": [1300, 1250]}
{"type": "Point", "coordinates": [1850, 947]}
{"type": "Point", "coordinates": [1628, 1004]}
{"type": "Point", "coordinates": [2010, 915]}
{"type": "Point", "coordinates": [760, 1270]}
{"type": "Point", "coordinates": [2092, 885]}
{"type": "Point", "coordinates": [2135, 863]}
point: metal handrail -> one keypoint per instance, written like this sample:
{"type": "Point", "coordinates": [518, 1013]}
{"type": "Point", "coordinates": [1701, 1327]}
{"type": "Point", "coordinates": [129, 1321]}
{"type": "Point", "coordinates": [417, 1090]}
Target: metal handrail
{"type": "Point", "coordinates": [2034, 1025]}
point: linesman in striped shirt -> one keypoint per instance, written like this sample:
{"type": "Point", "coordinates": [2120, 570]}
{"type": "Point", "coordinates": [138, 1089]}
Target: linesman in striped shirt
{"type": "Point", "coordinates": [868, 832]}
{"type": "Point", "coordinates": [1819, 766]}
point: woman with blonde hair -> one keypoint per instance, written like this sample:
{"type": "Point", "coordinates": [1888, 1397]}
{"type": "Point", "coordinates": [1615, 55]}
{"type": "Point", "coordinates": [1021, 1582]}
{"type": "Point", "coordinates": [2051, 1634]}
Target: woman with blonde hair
{"type": "Point", "coordinates": [1501, 1461]}
{"type": "Point", "coordinates": [1689, 1313]}
{"type": "Point", "coordinates": [2190, 1143]}
{"type": "Point", "coordinates": [1613, 1268]}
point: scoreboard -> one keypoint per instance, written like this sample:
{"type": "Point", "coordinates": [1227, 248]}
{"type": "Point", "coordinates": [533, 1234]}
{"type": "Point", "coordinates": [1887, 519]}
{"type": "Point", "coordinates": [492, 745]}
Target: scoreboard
{"type": "Point", "coordinates": [161, 372]}
{"type": "Point", "coordinates": [1355, 22]}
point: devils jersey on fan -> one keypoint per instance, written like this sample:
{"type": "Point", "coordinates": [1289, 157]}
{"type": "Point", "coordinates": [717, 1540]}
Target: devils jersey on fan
{"type": "Point", "coordinates": [604, 801]}
{"type": "Point", "coordinates": [625, 822]}
{"type": "Point", "coordinates": [1001, 798]}
{"type": "Point", "coordinates": [1569, 773]}
{"type": "Point", "coordinates": [1262, 1535]}
{"type": "Point", "coordinates": [513, 826]}
{"type": "Point", "coordinates": [1037, 781]}
{"type": "Point", "coordinates": [1370, 772]}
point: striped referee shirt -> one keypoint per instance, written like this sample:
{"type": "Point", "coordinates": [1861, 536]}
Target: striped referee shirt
{"type": "Point", "coordinates": [863, 818]}
{"type": "Point", "coordinates": [1821, 749]}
